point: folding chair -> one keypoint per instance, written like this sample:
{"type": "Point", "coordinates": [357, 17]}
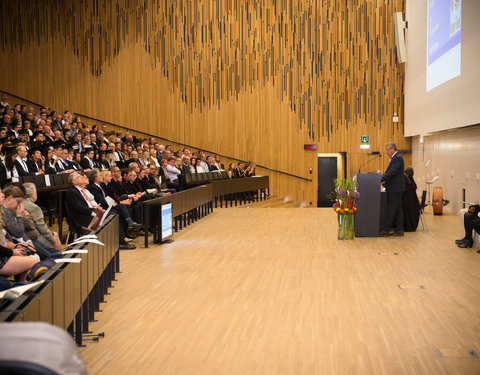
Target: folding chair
{"type": "Point", "coordinates": [422, 211]}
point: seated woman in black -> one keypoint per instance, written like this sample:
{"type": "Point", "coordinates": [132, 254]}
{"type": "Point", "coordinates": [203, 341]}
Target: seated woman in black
{"type": "Point", "coordinates": [411, 206]}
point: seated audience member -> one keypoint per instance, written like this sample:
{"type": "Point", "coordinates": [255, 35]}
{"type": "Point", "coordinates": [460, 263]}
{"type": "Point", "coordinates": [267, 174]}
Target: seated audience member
{"type": "Point", "coordinates": [198, 166]}
{"type": "Point", "coordinates": [471, 222]}
{"type": "Point", "coordinates": [193, 162]}
{"type": "Point", "coordinates": [13, 218]}
{"type": "Point", "coordinates": [149, 184]}
{"type": "Point", "coordinates": [102, 162]}
{"type": "Point", "coordinates": [187, 168]}
{"type": "Point", "coordinates": [75, 161]}
{"type": "Point", "coordinates": [35, 163]}
{"type": "Point", "coordinates": [211, 164]}
{"type": "Point", "coordinates": [410, 203]}
{"type": "Point", "coordinates": [134, 159]}
{"type": "Point", "coordinates": [118, 157]}
{"type": "Point", "coordinates": [132, 186]}
{"type": "Point", "coordinates": [109, 162]}
{"type": "Point", "coordinates": [155, 180]}
{"type": "Point", "coordinates": [46, 236]}
{"type": "Point", "coordinates": [250, 169]}
{"type": "Point", "coordinates": [172, 171]}
{"type": "Point", "coordinates": [203, 162]}
{"type": "Point", "coordinates": [163, 172]}
{"type": "Point", "coordinates": [80, 209]}
{"type": "Point", "coordinates": [11, 170]}
{"type": "Point", "coordinates": [219, 166]}
{"type": "Point", "coordinates": [125, 221]}
{"type": "Point", "coordinates": [13, 262]}
{"type": "Point", "coordinates": [21, 161]}
{"type": "Point", "coordinates": [231, 170]}
{"type": "Point", "coordinates": [239, 172]}
{"type": "Point", "coordinates": [87, 162]}
{"type": "Point", "coordinates": [179, 165]}
{"type": "Point", "coordinates": [62, 164]}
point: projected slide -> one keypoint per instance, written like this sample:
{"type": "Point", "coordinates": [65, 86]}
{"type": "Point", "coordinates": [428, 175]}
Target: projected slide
{"type": "Point", "coordinates": [443, 41]}
{"type": "Point", "coordinates": [166, 220]}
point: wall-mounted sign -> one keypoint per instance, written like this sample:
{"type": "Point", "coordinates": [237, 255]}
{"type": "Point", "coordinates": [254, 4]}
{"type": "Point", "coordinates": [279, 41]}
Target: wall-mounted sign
{"type": "Point", "coordinates": [364, 139]}
{"type": "Point", "coordinates": [310, 147]}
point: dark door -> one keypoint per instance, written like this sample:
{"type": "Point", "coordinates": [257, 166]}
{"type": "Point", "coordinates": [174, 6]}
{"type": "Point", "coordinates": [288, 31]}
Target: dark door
{"type": "Point", "coordinates": [327, 171]}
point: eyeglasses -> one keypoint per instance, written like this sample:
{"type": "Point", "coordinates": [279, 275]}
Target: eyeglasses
{"type": "Point", "coordinates": [18, 200]}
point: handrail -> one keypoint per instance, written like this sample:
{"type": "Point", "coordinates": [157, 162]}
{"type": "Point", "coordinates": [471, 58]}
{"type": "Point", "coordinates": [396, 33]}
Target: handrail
{"type": "Point", "coordinates": [166, 139]}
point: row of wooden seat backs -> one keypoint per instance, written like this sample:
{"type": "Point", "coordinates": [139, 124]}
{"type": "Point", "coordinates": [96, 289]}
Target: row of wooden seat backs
{"type": "Point", "coordinates": [46, 181]}
{"type": "Point", "coordinates": [67, 285]}
{"type": "Point", "coordinates": [239, 185]}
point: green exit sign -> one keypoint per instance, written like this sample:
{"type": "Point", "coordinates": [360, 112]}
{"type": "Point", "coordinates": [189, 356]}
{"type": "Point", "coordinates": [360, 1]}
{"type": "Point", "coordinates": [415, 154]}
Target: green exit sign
{"type": "Point", "coordinates": [364, 139]}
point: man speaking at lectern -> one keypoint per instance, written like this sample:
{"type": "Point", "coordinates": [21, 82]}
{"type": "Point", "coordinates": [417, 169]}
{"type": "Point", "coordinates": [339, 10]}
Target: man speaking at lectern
{"type": "Point", "coordinates": [395, 185]}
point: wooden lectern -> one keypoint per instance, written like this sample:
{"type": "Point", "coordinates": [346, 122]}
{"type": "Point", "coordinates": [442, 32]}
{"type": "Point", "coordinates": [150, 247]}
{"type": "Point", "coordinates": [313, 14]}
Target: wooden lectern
{"type": "Point", "coordinates": [367, 217]}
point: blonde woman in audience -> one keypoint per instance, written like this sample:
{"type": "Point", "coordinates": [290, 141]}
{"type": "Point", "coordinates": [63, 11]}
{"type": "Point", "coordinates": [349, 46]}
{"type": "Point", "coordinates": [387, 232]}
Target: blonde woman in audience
{"type": "Point", "coordinates": [147, 157]}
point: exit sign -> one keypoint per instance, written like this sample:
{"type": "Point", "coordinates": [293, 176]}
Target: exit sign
{"type": "Point", "coordinates": [310, 147]}
{"type": "Point", "coordinates": [364, 139]}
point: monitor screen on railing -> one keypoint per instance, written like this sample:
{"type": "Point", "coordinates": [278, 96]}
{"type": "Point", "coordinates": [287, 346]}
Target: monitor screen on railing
{"type": "Point", "coordinates": [166, 220]}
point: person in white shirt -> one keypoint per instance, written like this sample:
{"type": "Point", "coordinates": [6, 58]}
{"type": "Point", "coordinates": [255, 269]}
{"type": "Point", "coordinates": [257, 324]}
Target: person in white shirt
{"type": "Point", "coordinates": [203, 163]}
{"type": "Point", "coordinates": [172, 171]}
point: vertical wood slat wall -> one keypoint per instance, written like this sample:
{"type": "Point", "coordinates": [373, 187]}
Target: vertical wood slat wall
{"type": "Point", "coordinates": [252, 79]}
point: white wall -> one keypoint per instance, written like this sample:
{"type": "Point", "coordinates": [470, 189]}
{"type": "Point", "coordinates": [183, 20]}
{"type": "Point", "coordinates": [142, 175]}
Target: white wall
{"type": "Point", "coordinates": [455, 157]}
{"type": "Point", "coordinates": [455, 103]}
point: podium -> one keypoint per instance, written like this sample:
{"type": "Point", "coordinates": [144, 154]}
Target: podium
{"type": "Point", "coordinates": [367, 217]}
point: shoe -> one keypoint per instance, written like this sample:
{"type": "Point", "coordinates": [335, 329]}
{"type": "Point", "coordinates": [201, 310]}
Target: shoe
{"type": "Point", "coordinates": [126, 239]}
{"type": "Point", "coordinates": [398, 233]}
{"type": "Point", "coordinates": [126, 246]}
{"type": "Point", "coordinates": [461, 240]}
{"type": "Point", "coordinates": [466, 243]}
{"type": "Point", "coordinates": [134, 226]}
{"type": "Point", "coordinates": [478, 251]}
{"type": "Point", "coordinates": [140, 233]}
{"type": "Point", "coordinates": [384, 234]}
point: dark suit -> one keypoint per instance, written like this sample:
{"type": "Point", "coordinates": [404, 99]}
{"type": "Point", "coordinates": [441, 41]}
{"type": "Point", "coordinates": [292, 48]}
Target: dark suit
{"type": "Point", "coordinates": [120, 209]}
{"type": "Point", "coordinates": [61, 166]}
{"type": "Point", "coordinates": [79, 212]}
{"type": "Point", "coordinates": [85, 164]}
{"type": "Point", "coordinates": [212, 167]}
{"type": "Point", "coordinates": [395, 185]}
{"type": "Point", "coordinates": [21, 171]}
{"type": "Point", "coordinates": [32, 166]}
{"type": "Point", "coordinates": [116, 190]}
{"type": "Point", "coordinates": [3, 174]}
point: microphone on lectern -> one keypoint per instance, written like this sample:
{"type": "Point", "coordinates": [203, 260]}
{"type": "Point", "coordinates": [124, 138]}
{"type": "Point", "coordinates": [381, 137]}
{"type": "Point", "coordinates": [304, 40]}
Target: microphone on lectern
{"type": "Point", "coordinates": [376, 153]}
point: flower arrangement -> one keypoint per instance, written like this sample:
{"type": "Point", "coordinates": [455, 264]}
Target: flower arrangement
{"type": "Point", "coordinates": [345, 205]}
{"type": "Point", "coordinates": [345, 195]}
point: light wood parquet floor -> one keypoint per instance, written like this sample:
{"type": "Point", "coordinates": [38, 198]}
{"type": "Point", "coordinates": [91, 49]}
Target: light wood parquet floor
{"type": "Point", "coordinates": [268, 291]}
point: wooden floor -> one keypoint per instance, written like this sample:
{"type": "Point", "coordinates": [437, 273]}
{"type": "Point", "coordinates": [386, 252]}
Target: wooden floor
{"type": "Point", "coordinates": [262, 291]}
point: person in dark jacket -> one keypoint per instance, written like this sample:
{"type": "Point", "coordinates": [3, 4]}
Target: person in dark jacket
{"type": "Point", "coordinates": [395, 186]}
{"type": "Point", "coordinates": [410, 203]}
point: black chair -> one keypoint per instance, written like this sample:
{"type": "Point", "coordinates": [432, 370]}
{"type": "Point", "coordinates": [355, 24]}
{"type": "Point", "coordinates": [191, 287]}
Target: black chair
{"type": "Point", "coordinates": [422, 211]}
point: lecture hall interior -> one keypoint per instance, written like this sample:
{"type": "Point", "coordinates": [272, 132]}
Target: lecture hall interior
{"type": "Point", "coordinates": [240, 187]}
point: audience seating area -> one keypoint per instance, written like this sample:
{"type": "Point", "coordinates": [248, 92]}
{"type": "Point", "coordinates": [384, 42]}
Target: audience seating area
{"type": "Point", "coordinates": [56, 153]}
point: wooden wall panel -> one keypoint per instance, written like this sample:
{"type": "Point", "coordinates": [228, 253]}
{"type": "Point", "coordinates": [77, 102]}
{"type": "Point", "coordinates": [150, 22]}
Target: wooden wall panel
{"type": "Point", "coordinates": [251, 79]}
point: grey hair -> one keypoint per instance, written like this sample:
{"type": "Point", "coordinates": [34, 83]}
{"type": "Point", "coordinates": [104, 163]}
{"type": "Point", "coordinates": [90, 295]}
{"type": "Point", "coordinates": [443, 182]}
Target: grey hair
{"type": "Point", "coordinates": [72, 177]}
{"type": "Point", "coordinates": [30, 188]}
{"type": "Point", "coordinates": [391, 145]}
